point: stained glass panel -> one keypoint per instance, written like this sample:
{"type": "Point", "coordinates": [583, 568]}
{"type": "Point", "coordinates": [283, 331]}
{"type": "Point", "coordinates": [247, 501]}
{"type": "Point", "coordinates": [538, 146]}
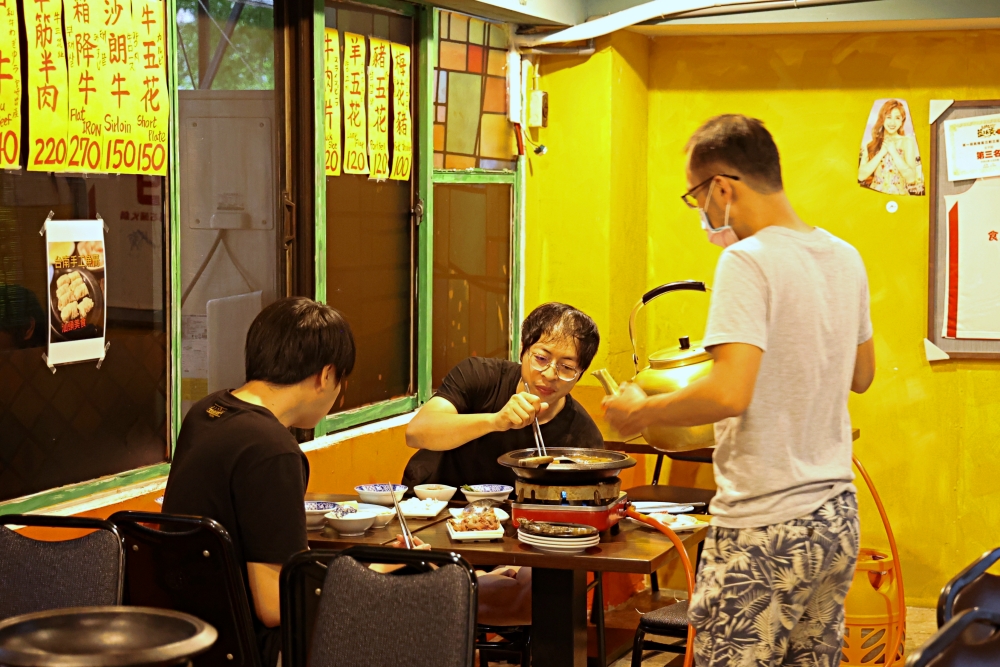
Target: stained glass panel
{"type": "Point", "coordinates": [470, 120]}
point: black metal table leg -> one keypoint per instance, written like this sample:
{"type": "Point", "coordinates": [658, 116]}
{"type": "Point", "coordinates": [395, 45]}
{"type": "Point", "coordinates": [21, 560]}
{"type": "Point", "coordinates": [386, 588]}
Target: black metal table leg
{"type": "Point", "coordinates": [558, 618]}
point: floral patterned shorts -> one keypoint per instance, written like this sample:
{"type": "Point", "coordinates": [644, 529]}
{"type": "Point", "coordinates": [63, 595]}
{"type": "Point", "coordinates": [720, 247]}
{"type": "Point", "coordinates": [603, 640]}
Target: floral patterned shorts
{"type": "Point", "coordinates": [774, 595]}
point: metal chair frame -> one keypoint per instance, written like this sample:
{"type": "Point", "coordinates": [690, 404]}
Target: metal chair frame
{"type": "Point", "coordinates": [640, 644]}
{"type": "Point", "coordinates": [962, 584]}
{"type": "Point", "coordinates": [303, 576]}
{"type": "Point", "coordinates": [954, 631]}
{"type": "Point", "coordinates": [75, 522]}
{"type": "Point", "coordinates": [131, 524]}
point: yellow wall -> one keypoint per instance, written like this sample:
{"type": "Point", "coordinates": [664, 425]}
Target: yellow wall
{"type": "Point", "coordinates": [929, 434]}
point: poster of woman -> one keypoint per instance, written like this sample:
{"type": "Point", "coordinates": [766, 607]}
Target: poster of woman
{"type": "Point", "coordinates": [890, 159]}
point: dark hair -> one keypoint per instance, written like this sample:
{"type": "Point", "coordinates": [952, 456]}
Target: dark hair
{"type": "Point", "coordinates": [559, 320]}
{"type": "Point", "coordinates": [295, 338]}
{"type": "Point", "coordinates": [735, 142]}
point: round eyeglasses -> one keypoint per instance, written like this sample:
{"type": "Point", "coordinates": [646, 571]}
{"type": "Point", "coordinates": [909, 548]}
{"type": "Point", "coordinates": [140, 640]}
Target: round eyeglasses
{"type": "Point", "coordinates": [542, 363]}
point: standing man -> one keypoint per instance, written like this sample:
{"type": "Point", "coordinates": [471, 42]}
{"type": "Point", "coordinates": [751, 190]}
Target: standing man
{"type": "Point", "coordinates": [791, 336]}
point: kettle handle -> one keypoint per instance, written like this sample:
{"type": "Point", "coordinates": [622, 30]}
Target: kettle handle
{"type": "Point", "coordinates": [693, 285]}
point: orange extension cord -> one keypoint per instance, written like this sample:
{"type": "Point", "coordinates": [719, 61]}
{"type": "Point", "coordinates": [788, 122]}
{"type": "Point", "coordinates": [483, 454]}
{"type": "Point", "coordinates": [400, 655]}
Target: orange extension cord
{"type": "Point", "coordinates": [890, 657]}
{"type": "Point", "coordinates": [688, 573]}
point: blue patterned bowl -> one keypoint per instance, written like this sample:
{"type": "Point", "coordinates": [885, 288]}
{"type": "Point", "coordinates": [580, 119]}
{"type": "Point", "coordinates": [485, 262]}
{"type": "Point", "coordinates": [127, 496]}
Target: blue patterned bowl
{"type": "Point", "coordinates": [315, 509]}
{"type": "Point", "coordinates": [380, 494]}
{"type": "Point", "coordinates": [497, 492]}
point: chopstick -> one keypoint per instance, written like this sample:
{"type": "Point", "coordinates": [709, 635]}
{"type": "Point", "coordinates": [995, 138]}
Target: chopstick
{"type": "Point", "coordinates": [537, 430]}
{"type": "Point", "coordinates": [407, 536]}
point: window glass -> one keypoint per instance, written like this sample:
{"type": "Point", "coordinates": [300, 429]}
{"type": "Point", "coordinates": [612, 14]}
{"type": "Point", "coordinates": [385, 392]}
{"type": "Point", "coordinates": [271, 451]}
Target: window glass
{"type": "Point", "coordinates": [230, 200]}
{"type": "Point", "coordinates": [81, 422]}
{"type": "Point", "coordinates": [472, 231]}
{"type": "Point", "coordinates": [470, 96]}
{"type": "Point", "coordinates": [370, 250]}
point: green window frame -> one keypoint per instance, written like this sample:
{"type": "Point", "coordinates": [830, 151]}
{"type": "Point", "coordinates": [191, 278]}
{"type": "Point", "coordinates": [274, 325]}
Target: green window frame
{"type": "Point", "coordinates": [426, 20]}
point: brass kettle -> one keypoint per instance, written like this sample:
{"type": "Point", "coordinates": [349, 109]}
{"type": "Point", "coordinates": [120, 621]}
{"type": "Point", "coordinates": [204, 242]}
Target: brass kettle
{"type": "Point", "coordinates": [668, 370]}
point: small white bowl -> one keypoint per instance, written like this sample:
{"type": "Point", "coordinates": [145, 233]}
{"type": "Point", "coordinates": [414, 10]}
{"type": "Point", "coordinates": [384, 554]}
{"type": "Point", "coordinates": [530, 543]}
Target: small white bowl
{"type": "Point", "coordinates": [315, 511]}
{"type": "Point", "coordinates": [350, 525]}
{"type": "Point", "coordinates": [379, 494]}
{"type": "Point", "coordinates": [383, 515]}
{"type": "Point", "coordinates": [497, 492]}
{"type": "Point", "coordinates": [434, 491]}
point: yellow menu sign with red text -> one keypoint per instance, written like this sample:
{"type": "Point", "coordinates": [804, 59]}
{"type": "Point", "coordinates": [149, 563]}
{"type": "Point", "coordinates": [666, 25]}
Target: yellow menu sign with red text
{"type": "Point", "coordinates": [47, 85]}
{"type": "Point", "coordinates": [86, 58]}
{"type": "Point", "coordinates": [402, 142]}
{"type": "Point", "coordinates": [378, 109]}
{"type": "Point", "coordinates": [355, 118]}
{"type": "Point", "coordinates": [331, 101]}
{"type": "Point", "coordinates": [118, 88]}
{"type": "Point", "coordinates": [152, 108]}
{"type": "Point", "coordinates": [10, 87]}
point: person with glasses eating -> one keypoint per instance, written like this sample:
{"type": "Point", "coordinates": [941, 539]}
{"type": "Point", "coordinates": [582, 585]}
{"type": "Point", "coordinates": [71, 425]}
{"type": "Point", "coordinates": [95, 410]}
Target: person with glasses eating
{"type": "Point", "coordinates": [486, 407]}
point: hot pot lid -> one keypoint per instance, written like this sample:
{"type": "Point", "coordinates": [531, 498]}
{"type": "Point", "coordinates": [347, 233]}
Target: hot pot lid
{"type": "Point", "coordinates": [685, 354]}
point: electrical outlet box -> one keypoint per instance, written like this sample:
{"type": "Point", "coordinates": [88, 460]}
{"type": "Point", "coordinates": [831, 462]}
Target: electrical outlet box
{"type": "Point", "coordinates": [538, 108]}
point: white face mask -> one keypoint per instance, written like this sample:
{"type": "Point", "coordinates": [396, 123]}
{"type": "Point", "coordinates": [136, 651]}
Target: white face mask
{"type": "Point", "coordinates": [723, 236]}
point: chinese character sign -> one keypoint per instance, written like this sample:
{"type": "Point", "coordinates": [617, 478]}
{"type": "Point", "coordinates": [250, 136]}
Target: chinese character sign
{"type": "Point", "coordinates": [86, 58]}
{"type": "Point", "coordinates": [331, 100]}
{"type": "Point", "coordinates": [120, 86]}
{"type": "Point", "coordinates": [355, 118]}
{"type": "Point", "coordinates": [77, 269]}
{"type": "Point", "coordinates": [151, 107]}
{"type": "Point", "coordinates": [972, 146]}
{"type": "Point", "coordinates": [402, 142]}
{"type": "Point", "coordinates": [378, 110]}
{"type": "Point", "coordinates": [10, 87]}
{"type": "Point", "coordinates": [47, 85]}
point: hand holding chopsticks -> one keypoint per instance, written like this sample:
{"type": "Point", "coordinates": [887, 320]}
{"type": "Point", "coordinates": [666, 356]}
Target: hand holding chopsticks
{"type": "Point", "coordinates": [539, 442]}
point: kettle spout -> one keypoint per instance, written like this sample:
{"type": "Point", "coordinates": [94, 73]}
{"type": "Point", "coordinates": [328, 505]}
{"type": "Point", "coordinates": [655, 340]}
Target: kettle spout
{"type": "Point", "coordinates": [608, 382]}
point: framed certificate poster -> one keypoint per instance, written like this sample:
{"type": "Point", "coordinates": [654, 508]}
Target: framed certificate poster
{"type": "Point", "coordinates": [963, 317]}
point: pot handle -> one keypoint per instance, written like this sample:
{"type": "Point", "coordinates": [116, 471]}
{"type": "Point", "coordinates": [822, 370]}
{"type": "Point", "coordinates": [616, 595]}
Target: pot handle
{"type": "Point", "coordinates": [692, 285]}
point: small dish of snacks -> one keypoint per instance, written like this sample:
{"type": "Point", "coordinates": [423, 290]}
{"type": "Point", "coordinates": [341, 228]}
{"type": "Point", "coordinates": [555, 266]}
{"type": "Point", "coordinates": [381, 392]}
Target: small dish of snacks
{"type": "Point", "coordinates": [476, 524]}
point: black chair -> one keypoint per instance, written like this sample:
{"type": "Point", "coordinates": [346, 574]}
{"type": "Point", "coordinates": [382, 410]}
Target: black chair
{"type": "Point", "coordinates": [970, 639]}
{"type": "Point", "coordinates": [517, 639]}
{"type": "Point", "coordinates": [39, 575]}
{"type": "Point", "coordinates": [970, 588]}
{"type": "Point", "coordinates": [669, 621]}
{"type": "Point", "coordinates": [420, 615]}
{"type": "Point", "coordinates": [189, 564]}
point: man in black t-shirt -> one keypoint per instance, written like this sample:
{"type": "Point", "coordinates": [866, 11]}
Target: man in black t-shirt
{"type": "Point", "coordinates": [485, 407]}
{"type": "Point", "coordinates": [237, 462]}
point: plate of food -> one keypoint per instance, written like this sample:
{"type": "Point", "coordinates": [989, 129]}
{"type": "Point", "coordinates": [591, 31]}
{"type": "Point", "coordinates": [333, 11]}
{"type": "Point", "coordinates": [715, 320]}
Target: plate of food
{"type": "Point", "coordinates": [414, 508]}
{"type": "Point", "coordinates": [77, 304]}
{"type": "Point", "coordinates": [500, 514]}
{"type": "Point", "coordinates": [479, 525]}
{"type": "Point", "coordinates": [679, 523]}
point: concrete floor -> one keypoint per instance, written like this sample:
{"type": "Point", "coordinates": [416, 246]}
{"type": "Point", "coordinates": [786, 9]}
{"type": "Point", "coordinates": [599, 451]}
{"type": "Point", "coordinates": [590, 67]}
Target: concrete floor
{"type": "Point", "coordinates": [920, 623]}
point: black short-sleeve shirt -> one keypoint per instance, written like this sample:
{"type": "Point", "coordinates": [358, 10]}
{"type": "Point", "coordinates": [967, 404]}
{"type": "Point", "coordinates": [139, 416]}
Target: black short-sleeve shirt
{"type": "Point", "coordinates": [237, 464]}
{"type": "Point", "coordinates": [480, 385]}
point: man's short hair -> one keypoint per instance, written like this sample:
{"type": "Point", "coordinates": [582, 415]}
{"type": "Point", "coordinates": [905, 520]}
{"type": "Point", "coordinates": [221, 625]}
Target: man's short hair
{"type": "Point", "coordinates": [733, 142]}
{"type": "Point", "coordinates": [295, 338]}
{"type": "Point", "coordinates": [562, 321]}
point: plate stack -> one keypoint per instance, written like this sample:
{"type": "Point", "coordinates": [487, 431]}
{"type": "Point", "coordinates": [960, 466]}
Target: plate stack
{"type": "Point", "coordinates": [557, 538]}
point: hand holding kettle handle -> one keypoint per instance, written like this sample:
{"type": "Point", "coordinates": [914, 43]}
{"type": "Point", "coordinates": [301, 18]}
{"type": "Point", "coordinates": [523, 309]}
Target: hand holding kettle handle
{"type": "Point", "coordinates": [693, 285]}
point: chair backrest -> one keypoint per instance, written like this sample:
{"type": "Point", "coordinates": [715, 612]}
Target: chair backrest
{"type": "Point", "coordinates": [423, 615]}
{"type": "Point", "coordinates": [970, 639]}
{"type": "Point", "coordinates": [971, 588]}
{"type": "Point", "coordinates": [189, 564]}
{"type": "Point", "coordinates": [38, 575]}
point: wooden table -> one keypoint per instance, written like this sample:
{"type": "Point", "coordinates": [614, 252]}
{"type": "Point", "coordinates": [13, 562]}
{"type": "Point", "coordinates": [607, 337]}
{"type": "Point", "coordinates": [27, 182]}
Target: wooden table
{"type": "Point", "coordinates": [558, 584]}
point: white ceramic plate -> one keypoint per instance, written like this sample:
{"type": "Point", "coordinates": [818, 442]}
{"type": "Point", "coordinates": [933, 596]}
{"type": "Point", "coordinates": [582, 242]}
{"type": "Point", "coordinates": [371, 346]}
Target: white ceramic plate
{"type": "Point", "coordinates": [501, 515]}
{"type": "Point", "coordinates": [559, 543]}
{"type": "Point", "coordinates": [474, 535]}
{"type": "Point", "coordinates": [689, 522]}
{"type": "Point", "coordinates": [413, 508]}
{"type": "Point", "coordinates": [555, 550]}
{"type": "Point", "coordinates": [648, 506]}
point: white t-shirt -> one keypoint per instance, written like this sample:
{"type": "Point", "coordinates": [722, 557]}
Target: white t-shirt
{"type": "Point", "coordinates": [802, 298]}
{"type": "Point", "coordinates": [972, 294]}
